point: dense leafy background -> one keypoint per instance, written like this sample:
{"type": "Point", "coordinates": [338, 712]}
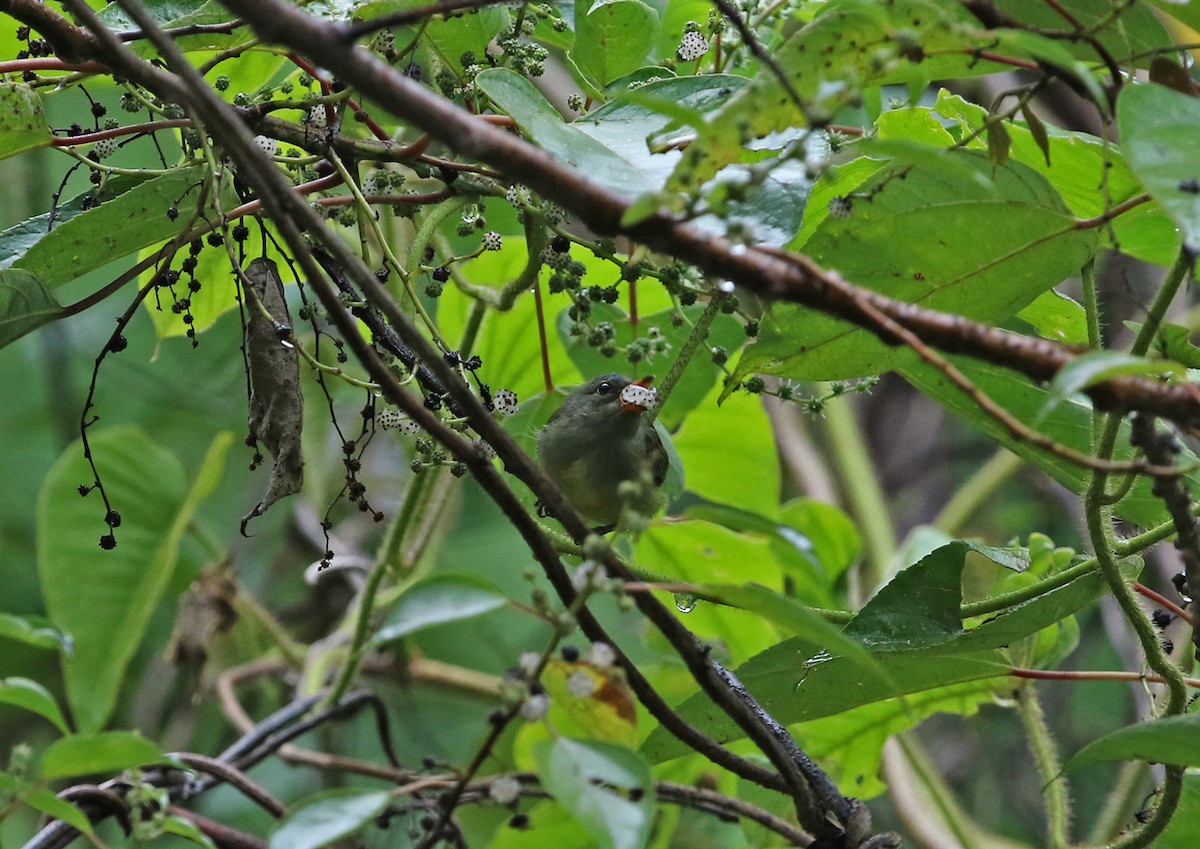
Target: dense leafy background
{"type": "Point", "coordinates": [800, 514]}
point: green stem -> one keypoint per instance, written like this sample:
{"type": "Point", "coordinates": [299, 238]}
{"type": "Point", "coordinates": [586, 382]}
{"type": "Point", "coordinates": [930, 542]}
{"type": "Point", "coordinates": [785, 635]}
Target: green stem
{"type": "Point", "coordinates": [977, 490]}
{"type": "Point", "coordinates": [1162, 301]}
{"type": "Point", "coordinates": [1100, 533]}
{"type": "Point", "coordinates": [428, 226]}
{"type": "Point", "coordinates": [1045, 757]}
{"type": "Point", "coordinates": [1091, 305]}
{"type": "Point", "coordinates": [860, 483]}
{"type": "Point", "coordinates": [686, 352]}
{"type": "Point", "coordinates": [1122, 548]}
{"type": "Point", "coordinates": [390, 558]}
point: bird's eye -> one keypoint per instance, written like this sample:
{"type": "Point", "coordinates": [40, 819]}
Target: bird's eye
{"type": "Point", "coordinates": [604, 388]}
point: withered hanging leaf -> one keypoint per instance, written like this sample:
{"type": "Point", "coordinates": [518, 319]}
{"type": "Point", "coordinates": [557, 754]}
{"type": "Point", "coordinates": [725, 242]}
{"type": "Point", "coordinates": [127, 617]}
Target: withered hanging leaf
{"type": "Point", "coordinates": [276, 404]}
{"type": "Point", "coordinates": [998, 141]}
{"type": "Point", "coordinates": [1038, 130]}
{"type": "Point", "coordinates": [206, 610]}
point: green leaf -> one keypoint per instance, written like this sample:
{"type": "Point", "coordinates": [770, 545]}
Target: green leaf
{"type": "Point", "coordinates": [1155, 125]}
{"type": "Point", "coordinates": [453, 37]}
{"type": "Point", "coordinates": [1078, 163]}
{"type": "Point", "coordinates": [1068, 423]}
{"type": "Point", "coordinates": [849, 46]}
{"type": "Point", "coordinates": [117, 228]}
{"type": "Point", "coordinates": [436, 600]}
{"type": "Point", "coordinates": [16, 241]}
{"type": "Point", "coordinates": [1057, 317]}
{"type": "Point", "coordinates": [728, 453]}
{"type": "Point", "coordinates": [1174, 343]}
{"type": "Point", "coordinates": [188, 830]}
{"type": "Point", "coordinates": [34, 631]}
{"type": "Point", "coordinates": [104, 599]}
{"type": "Point", "coordinates": [42, 800]}
{"type": "Point", "coordinates": [641, 125]}
{"type": "Point", "coordinates": [326, 817]}
{"type": "Point", "coordinates": [594, 782]}
{"type": "Point", "coordinates": [612, 37]}
{"type": "Point", "coordinates": [1123, 30]}
{"type": "Point", "coordinates": [25, 304]}
{"type": "Point", "coordinates": [542, 123]}
{"type": "Point", "coordinates": [32, 696]}
{"type": "Point", "coordinates": [849, 745]}
{"type": "Point", "coordinates": [918, 608]}
{"type": "Point", "coordinates": [798, 620]}
{"type": "Point", "coordinates": [1183, 831]}
{"type": "Point", "coordinates": [698, 552]}
{"type": "Point", "coordinates": [1169, 740]}
{"type": "Point", "coordinates": [795, 682]}
{"type": "Point", "coordinates": [1097, 366]}
{"type": "Point", "coordinates": [99, 754]}
{"type": "Point", "coordinates": [902, 242]}
{"type": "Point", "coordinates": [22, 120]}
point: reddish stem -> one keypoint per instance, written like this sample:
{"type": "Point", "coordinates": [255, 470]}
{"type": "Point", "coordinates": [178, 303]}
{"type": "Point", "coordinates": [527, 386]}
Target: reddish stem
{"type": "Point", "coordinates": [541, 323]}
{"type": "Point", "coordinates": [1163, 602]}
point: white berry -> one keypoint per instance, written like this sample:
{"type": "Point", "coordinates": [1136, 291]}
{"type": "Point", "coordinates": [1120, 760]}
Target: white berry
{"type": "Point", "coordinates": [105, 148]}
{"type": "Point", "coordinates": [316, 116]}
{"type": "Point", "coordinates": [505, 402]}
{"type": "Point", "coordinates": [492, 241]}
{"type": "Point", "coordinates": [693, 46]}
{"type": "Point", "coordinates": [267, 144]}
{"type": "Point", "coordinates": [639, 396]}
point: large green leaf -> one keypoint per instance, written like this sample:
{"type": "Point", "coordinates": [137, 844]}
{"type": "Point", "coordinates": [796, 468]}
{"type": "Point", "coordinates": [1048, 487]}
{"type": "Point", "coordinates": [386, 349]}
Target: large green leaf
{"type": "Point", "coordinates": [453, 37]}
{"type": "Point", "coordinates": [729, 456]}
{"type": "Point", "coordinates": [1123, 29]}
{"type": "Point", "coordinates": [701, 552]}
{"type": "Point", "coordinates": [607, 788]}
{"type": "Point", "coordinates": [1078, 163]}
{"type": "Point", "coordinates": [907, 238]}
{"type": "Point", "coordinates": [99, 754]}
{"type": "Point", "coordinates": [1169, 740]}
{"type": "Point", "coordinates": [25, 304]}
{"type": "Point", "coordinates": [326, 817]}
{"type": "Point", "coordinates": [104, 599]}
{"type": "Point", "coordinates": [1068, 423]}
{"type": "Point", "coordinates": [114, 229]}
{"type": "Point", "coordinates": [542, 123]}
{"type": "Point", "coordinates": [849, 746]}
{"type": "Point", "coordinates": [1158, 133]}
{"type": "Point", "coordinates": [436, 600]}
{"type": "Point", "coordinates": [612, 37]}
{"type": "Point", "coordinates": [22, 120]}
{"type": "Point", "coordinates": [795, 683]}
{"type": "Point", "coordinates": [17, 240]}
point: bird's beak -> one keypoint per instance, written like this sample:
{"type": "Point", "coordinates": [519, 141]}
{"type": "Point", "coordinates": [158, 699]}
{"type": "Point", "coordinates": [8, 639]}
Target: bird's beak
{"type": "Point", "coordinates": [634, 406]}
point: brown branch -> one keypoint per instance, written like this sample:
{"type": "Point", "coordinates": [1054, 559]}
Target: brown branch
{"type": "Point", "coordinates": [225, 837]}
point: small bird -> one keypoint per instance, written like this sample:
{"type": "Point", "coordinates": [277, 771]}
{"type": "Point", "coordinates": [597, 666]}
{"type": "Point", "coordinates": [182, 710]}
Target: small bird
{"type": "Point", "coordinates": [597, 440]}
